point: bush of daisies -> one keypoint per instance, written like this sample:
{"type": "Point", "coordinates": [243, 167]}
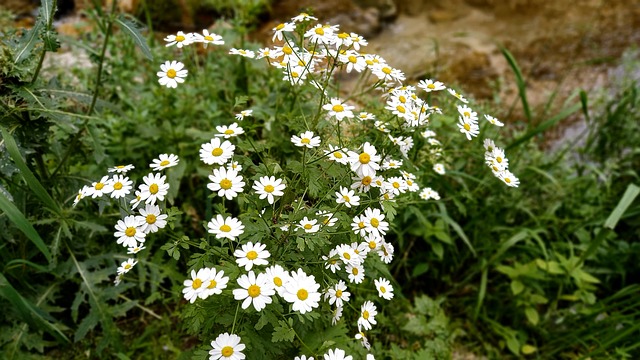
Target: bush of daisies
{"type": "Point", "coordinates": [295, 261]}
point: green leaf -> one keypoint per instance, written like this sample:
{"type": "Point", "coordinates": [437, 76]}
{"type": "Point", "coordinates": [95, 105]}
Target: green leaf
{"type": "Point", "coordinates": [520, 82]}
{"type": "Point", "coordinates": [46, 11]}
{"type": "Point", "coordinates": [29, 177]}
{"type": "Point", "coordinates": [419, 269]}
{"type": "Point", "coordinates": [544, 126]}
{"type": "Point", "coordinates": [552, 267]}
{"type": "Point", "coordinates": [629, 196]}
{"type": "Point", "coordinates": [21, 222]}
{"type": "Point", "coordinates": [456, 227]}
{"type": "Point", "coordinates": [528, 349]}
{"type": "Point", "coordinates": [517, 287]}
{"type": "Point", "coordinates": [283, 332]}
{"type": "Point", "coordinates": [27, 42]}
{"type": "Point", "coordinates": [28, 312]}
{"type": "Point", "coordinates": [532, 315]}
{"type": "Point", "coordinates": [129, 27]}
{"type": "Point", "coordinates": [438, 249]}
{"type": "Point", "coordinates": [98, 150]}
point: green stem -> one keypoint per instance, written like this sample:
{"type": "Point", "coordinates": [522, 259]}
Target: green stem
{"type": "Point", "coordinates": [44, 51]}
{"type": "Point", "coordinates": [233, 327]}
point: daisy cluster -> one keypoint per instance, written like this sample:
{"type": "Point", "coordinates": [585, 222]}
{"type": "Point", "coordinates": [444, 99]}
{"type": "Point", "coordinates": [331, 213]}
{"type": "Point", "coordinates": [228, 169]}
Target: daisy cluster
{"type": "Point", "coordinates": [143, 207]}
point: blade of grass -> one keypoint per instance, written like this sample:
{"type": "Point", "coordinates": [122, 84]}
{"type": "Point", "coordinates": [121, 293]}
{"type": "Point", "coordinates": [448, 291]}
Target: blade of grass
{"type": "Point", "coordinates": [26, 173]}
{"type": "Point", "coordinates": [21, 222]}
{"type": "Point", "coordinates": [544, 126]}
{"type": "Point", "coordinates": [522, 85]}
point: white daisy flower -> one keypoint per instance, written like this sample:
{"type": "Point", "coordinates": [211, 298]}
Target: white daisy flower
{"type": "Point", "coordinates": [229, 131]}
{"type": "Point", "coordinates": [306, 139]}
{"type": "Point", "coordinates": [194, 286]}
{"type": "Point", "coordinates": [385, 290]}
{"type": "Point", "coordinates": [135, 249]}
{"type": "Point", "coordinates": [337, 294]}
{"type": "Point", "coordinates": [338, 109]}
{"type": "Point", "coordinates": [348, 255]}
{"type": "Point", "coordinates": [358, 41]}
{"type": "Point", "coordinates": [303, 357]}
{"type": "Point", "coordinates": [154, 188]}
{"type": "Point", "coordinates": [329, 220]}
{"type": "Point", "coordinates": [302, 291]}
{"type": "Point", "coordinates": [280, 29]}
{"type": "Point", "coordinates": [359, 225]}
{"type": "Point", "coordinates": [429, 193]}
{"type": "Point", "coordinates": [429, 85]}
{"type": "Point", "coordinates": [251, 254]}
{"type": "Point", "coordinates": [368, 314]}
{"type": "Point", "coordinates": [385, 251]}
{"type": "Point", "coordinates": [254, 290]}
{"type": "Point", "coordinates": [347, 197]}
{"type": "Point", "coordinates": [309, 226]}
{"type": "Point", "coordinates": [129, 232]}
{"type": "Point", "coordinates": [493, 120]}
{"type": "Point", "coordinates": [213, 282]}
{"type": "Point", "coordinates": [363, 116]}
{"type": "Point", "coordinates": [391, 164]}
{"type": "Point", "coordinates": [337, 354]}
{"type": "Point", "coordinates": [372, 241]}
{"type": "Point", "coordinates": [164, 161]}
{"type": "Point", "coordinates": [172, 73]}
{"type": "Point", "coordinates": [303, 17]}
{"type": "Point", "coordinates": [180, 39]}
{"type": "Point", "coordinates": [151, 219]}
{"type": "Point", "coordinates": [136, 200]}
{"type": "Point", "coordinates": [126, 266]}
{"type": "Point", "coordinates": [268, 187]}
{"type": "Point", "coordinates": [216, 152]}
{"type": "Point", "coordinates": [337, 154]}
{"type": "Point", "coordinates": [121, 169]}
{"type": "Point", "coordinates": [365, 163]}
{"type": "Point", "coordinates": [332, 262]}
{"type": "Point", "coordinates": [229, 227]}
{"type": "Point", "coordinates": [375, 223]}
{"type": "Point", "coordinates": [242, 52]}
{"type": "Point", "coordinates": [395, 185]}
{"type": "Point", "coordinates": [362, 183]}
{"type": "Point", "coordinates": [234, 165]}
{"type": "Point", "coordinates": [468, 127]}
{"type": "Point", "coordinates": [227, 347]}
{"type": "Point", "coordinates": [320, 34]}
{"type": "Point", "coordinates": [489, 145]}
{"type": "Point", "coordinates": [82, 193]}
{"type": "Point", "coordinates": [209, 38]}
{"type": "Point", "coordinates": [428, 134]}
{"type": "Point", "coordinates": [456, 95]}
{"type": "Point", "coordinates": [100, 188]}
{"type": "Point", "coordinates": [121, 186]}
{"type": "Point", "coordinates": [278, 276]}
{"type": "Point", "coordinates": [242, 114]}
{"type": "Point", "coordinates": [226, 182]}
{"type": "Point", "coordinates": [337, 314]}
{"type": "Point", "coordinates": [412, 185]}
{"type": "Point", "coordinates": [508, 178]}
{"type": "Point", "coordinates": [355, 273]}
{"type": "Point", "coordinates": [439, 169]}
{"type": "Point", "coordinates": [364, 341]}
{"type": "Point", "coordinates": [467, 113]}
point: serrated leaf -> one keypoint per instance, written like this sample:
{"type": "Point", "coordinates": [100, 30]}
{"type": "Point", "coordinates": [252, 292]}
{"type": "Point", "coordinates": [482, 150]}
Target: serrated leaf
{"type": "Point", "coordinates": [27, 42]}
{"type": "Point", "coordinates": [88, 323]}
{"type": "Point", "coordinates": [46, 11]}
{"type": "Point", "coordinates": [283, 332]}
{"type": "Point", "coordinates": [131, 29]}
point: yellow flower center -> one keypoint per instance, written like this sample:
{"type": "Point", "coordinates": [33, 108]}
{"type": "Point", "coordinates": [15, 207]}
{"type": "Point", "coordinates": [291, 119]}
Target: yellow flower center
{"type": "Point", "coordinates": [153, 188]}
{"type": "Point", "coordinates": [212, 284]}
{"type": "Point", "coordinates": [369, 62]}
{"type": "Point", "coordinates": [131, 231]}
{"type": "Point", "coordinates": [498, 159]}
{"type": "Point", "coordinates": [365, 315]}
{"type": "Point", "coordinates": [375, 222]}
{"type": "Point", "coordinates": [346, 198]}
{"type": "Point", "coordinates": [343, 35]}
{"type": "Point", "coordinates": [354, 271]}
{"type": "Point", "coordinates": [208, 38]}
{"type": "Point", "coordinates": [401, 109]}
{"type": "Point", "coordinates": [346, 256]}
{"type": "Point", "coordinates": [196, 284]}
{"type": "Point", "coordinates": [402, 99]}
{"type": "Point", "coordinates": [337, 108]}
{"type": "Point", "coordinates": [337, 155]}
{"type": "Point", "coordinates": [307, 226]}
{"type": "Point", "coordinates": [118, 185]}
{"type": "Point", "coordinates": [338, 293]}
{"type": "Point", "coordinates": [386, 70]}
{"type": "Point", "coordinates": [225, 228]}
{"type": "Point", "coordinates": [303, 294]}
{"type": "Point", "coordinates": [120, 166]}
{"type": "Point", "coordinates": [353, 59]}
{"type": "Point", "coordinates": [128, 266]}
{"type": "Point", "coordinates": [269, 188]}
{"type": "Point", "coordinates": [382, 289]}
{"type": "Point", "coordinates": [151, 219]}
{"type": "Point", "coordinates": [294, 74]}
{"type": "Point", "coordinates": [279, 27]}
{"type": "Point", "coordinates": [277, 281]}
{"type": "Point", "coordinates": [287, 50]}
{"type": "Point", "coordinates": [99, 186]}
{"type": "Point", "coordinates": [495, 168]}
{"type": "Point", "coordinates": [361, 225]}
{"type": "Point", "coordinates": [227, 351]}
{"type": "Point", "coordinates": [319, 31]}
{"type": "Point", "coordinates": [507, 180]}
{"type": "Point", "coordinates": [466, 114]}
{"type": "Point", "coordinates": [217, 152]}
{"type": "Point", "coordinates": [366, 181]}
{"type": "Point", "coordinates": [225, 184]}
{"type": "Point", "coordinates": [180, 38]}
{"type": "Point", "coordinates": [254, 291]}
{"type": "Point", "coordinates": [164, 163]}
{"type": "Point", "coordinates": [431, 86]}
{"type": "Point", "coordinates": [409, 182]}
{"type": "Point", "coordinates": [171, 73]}
{"type": "Point", "coordinates": [228, 132]}
{"type": "Point", "coordinates": [396, 185]}
{"type": "Point", "coordinates": [467, 127]}
{"type": "Point", "coordinates": [372, 245]}
{"type": "Point", "coordinates": [364, 158]}
{"type": "Point", "coordinates": [252, 255]}
{"type": "Point", "coordinates": [305, 141]}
